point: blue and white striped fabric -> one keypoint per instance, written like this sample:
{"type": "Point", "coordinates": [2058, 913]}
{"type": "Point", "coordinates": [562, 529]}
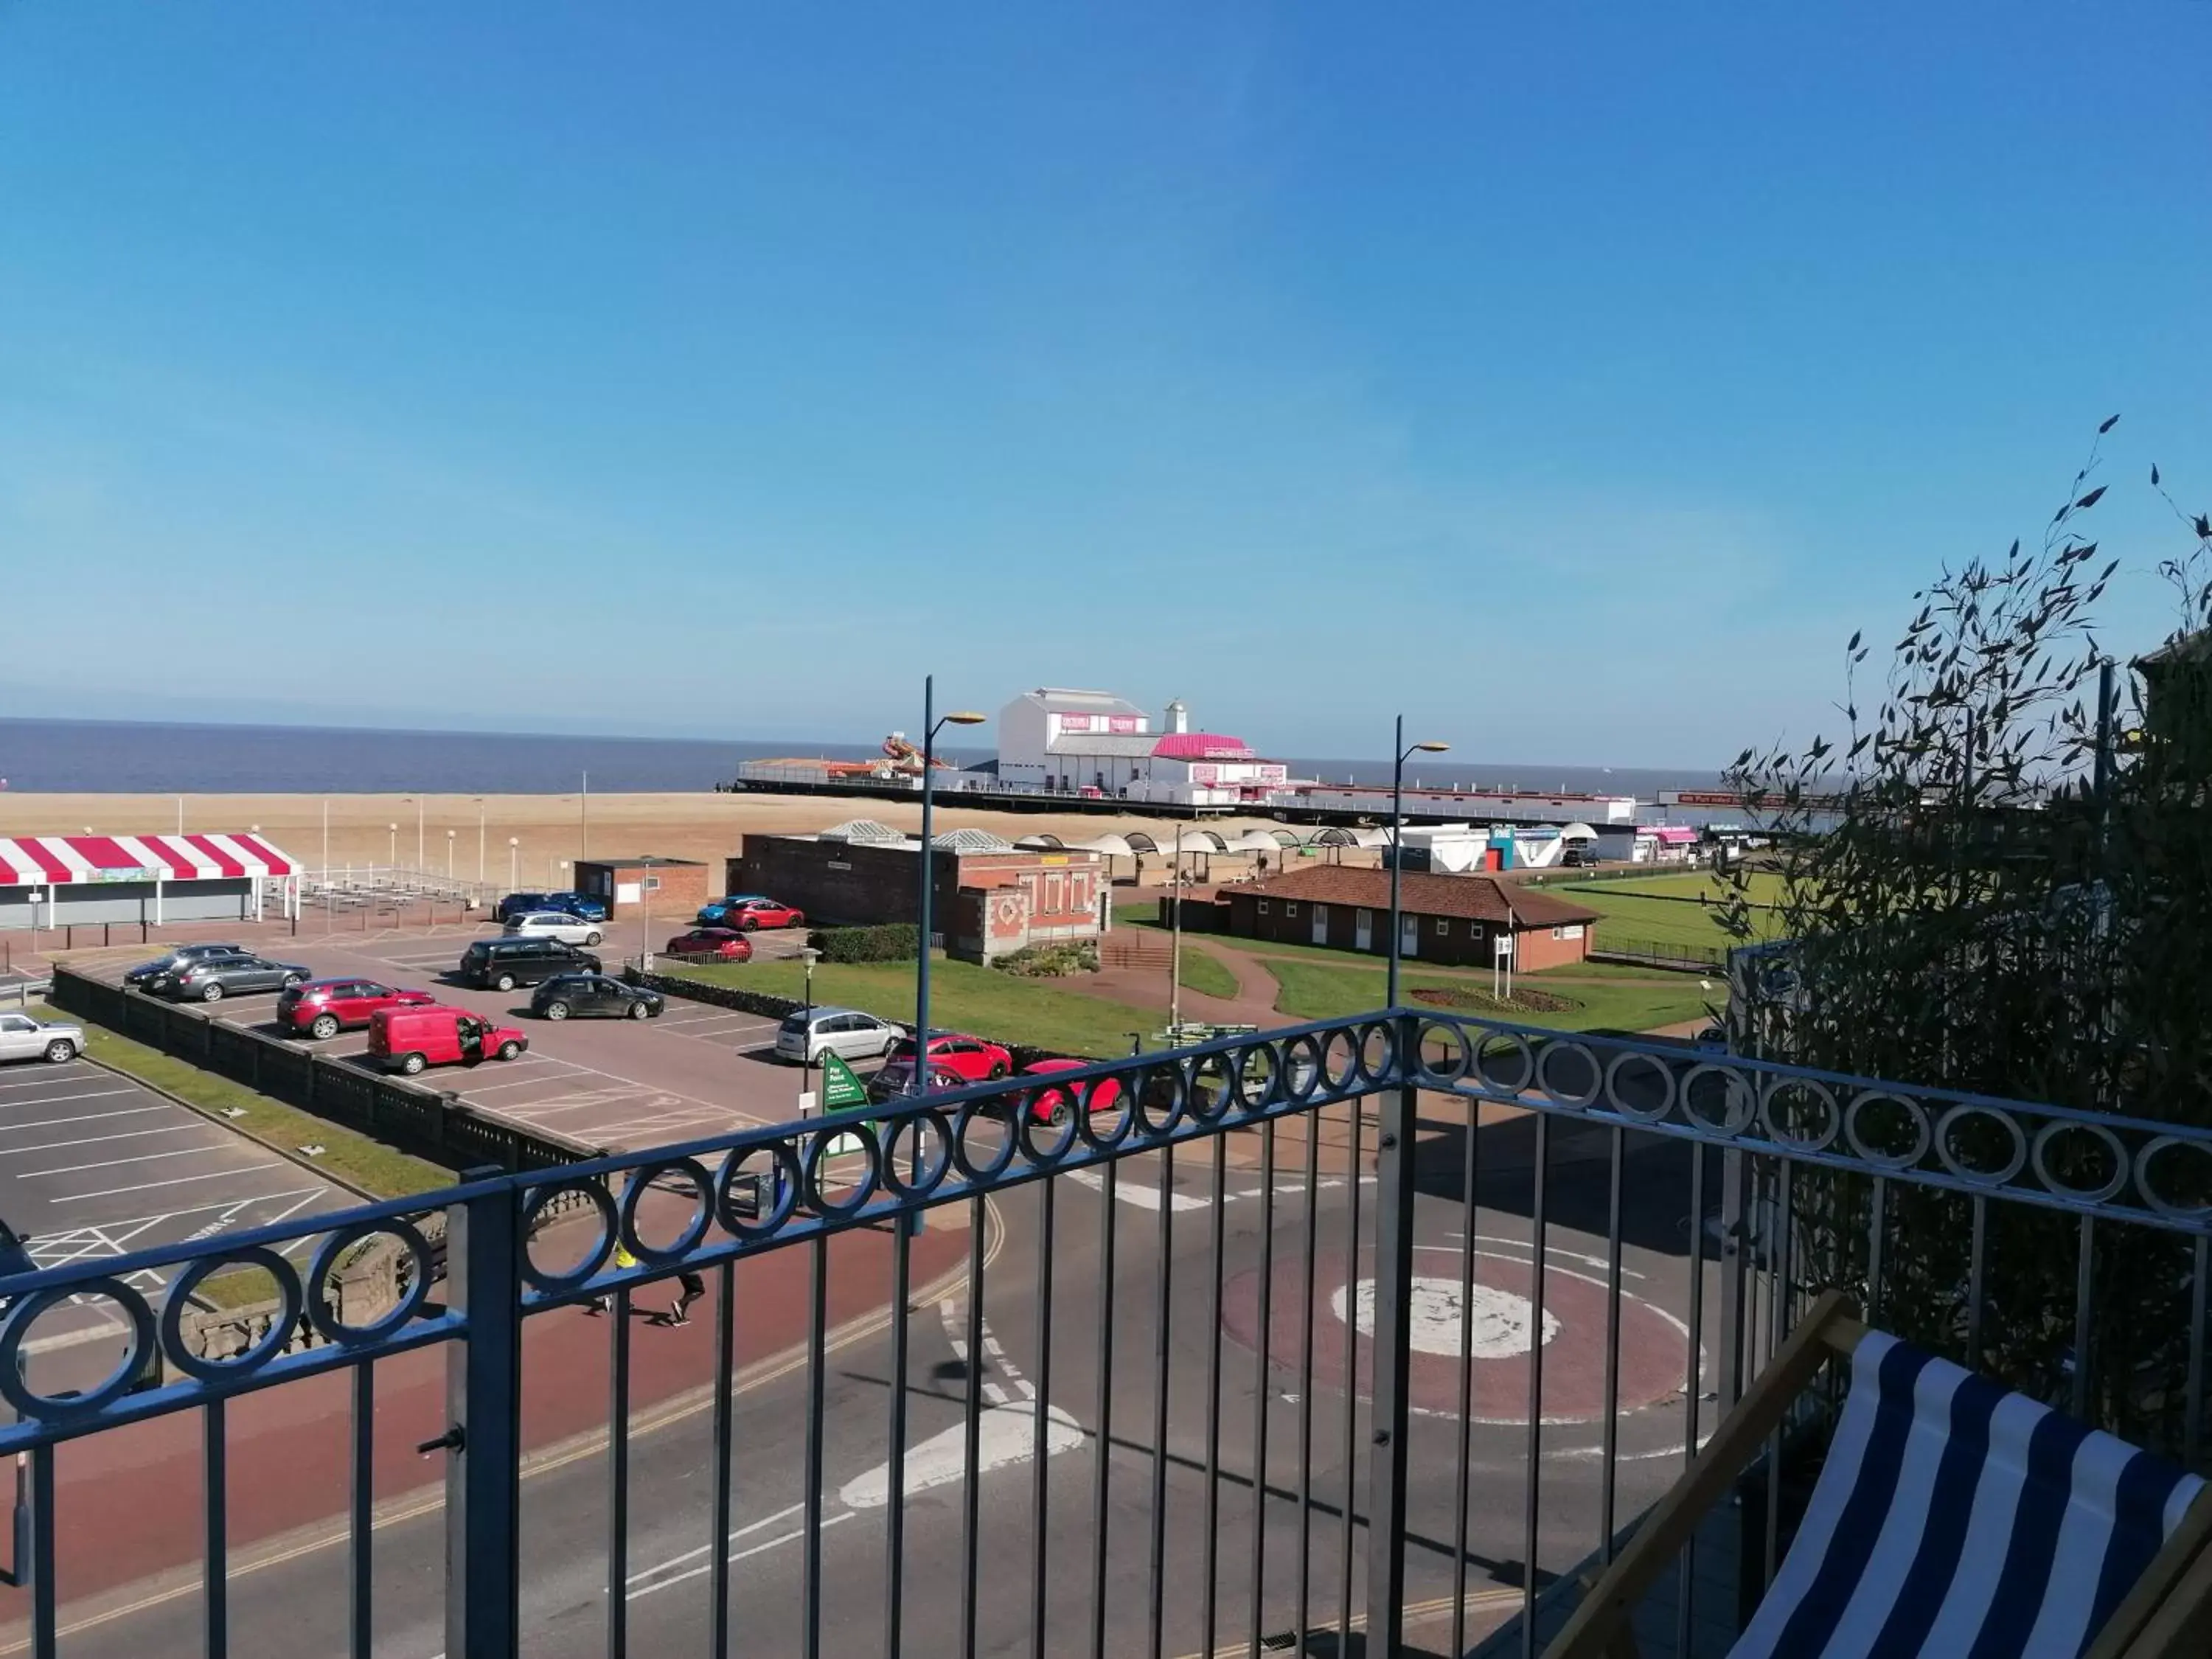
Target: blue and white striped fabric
{"type": "Point", "coordinates": [1958, 1519]}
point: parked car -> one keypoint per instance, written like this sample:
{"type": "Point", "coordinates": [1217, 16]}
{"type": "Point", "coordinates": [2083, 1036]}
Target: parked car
{"type": "Point", "coordinates": [555, 923]}
{"type": "Point", "coordinates": [714, 912]}
{"type": "Point", "coordinates": [513, 959]}
{"type": "Point", "coordinates": [522, 904]}
{"type": "Point", "coordinates": [723, 942]}
{"type": "Point", "coordinates": [585, 907]}
{"type": "Point", "coordinates": [1053, 1105]}
{"type": "Point", "coordinates": [323, 1008]}
{"type": "Point", "coordinates": [971, 1059]}
{"type": "Point", "coordinates": [587, 996]}
{"type": "Point", "coordinates": [754, 913]}
{"type": "Point", "coordinates": [806, 1036]}
{"type": "Point", "coordinates": [897, 1077]}
{"type": "Point", "coordinates": [218, 977]}
{"type": "Point", "coordinates": [409, 1039]}
{"type": "Point", "coordinates": [22, 1037]}
{"type": "Point", "coordinates": [176, 960]}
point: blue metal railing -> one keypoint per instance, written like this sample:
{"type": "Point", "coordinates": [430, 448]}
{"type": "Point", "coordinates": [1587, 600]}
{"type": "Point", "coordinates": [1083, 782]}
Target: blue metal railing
{"type": "Point", "coordinates": [1763, 1127]}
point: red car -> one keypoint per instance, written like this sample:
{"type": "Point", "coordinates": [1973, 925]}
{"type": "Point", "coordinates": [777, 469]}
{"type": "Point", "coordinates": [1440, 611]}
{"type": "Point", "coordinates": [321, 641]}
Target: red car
{"type": "Point", "coordinates": [968, 1058]}
{"type": "Point", "coordinates": [720, 942]}
{"type": "Point", "coordinates": [1053, 1105]}
{"type": "Point", "coordinates": [323, 1008]}
{"type": "Point", "coordinates": [763, 912]}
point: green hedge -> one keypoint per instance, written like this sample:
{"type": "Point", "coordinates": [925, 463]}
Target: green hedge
{"type": "Point", "coordinates": [892, 942]}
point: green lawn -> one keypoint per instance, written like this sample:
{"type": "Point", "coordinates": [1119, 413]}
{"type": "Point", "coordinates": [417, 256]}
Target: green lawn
{"type": "Point", "coordinates": [962, 997]}
{"type": "Point", "coordinates": [369, 1164]}
{"type": "Point", "coordinates": [1205, 972]}
{"type": "Point", "coordinates": [1764, 887]}
{"type": "Point", "coordinates": [1311, 991]}
{"type": "Point", "coordinates": [1629, 916]}
{"type": "Point", "coordinates": [1145, 912]}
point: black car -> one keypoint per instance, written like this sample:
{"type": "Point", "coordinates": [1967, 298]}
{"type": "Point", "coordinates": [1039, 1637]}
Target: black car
{"type": "Point", "coordinates": [521, 904]}
{"type": "Point", "coordinates": [167, 966]}
{"type": "Point", "coordinates": [502, 963]}
{"type": "Point", "coordinates": [217, 977]}
{"type": "Point", "coordinates": [587, 996]}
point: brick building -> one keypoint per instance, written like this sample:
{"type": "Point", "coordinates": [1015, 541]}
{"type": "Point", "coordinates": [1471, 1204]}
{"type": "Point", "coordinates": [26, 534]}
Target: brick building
{"type": "Point", "coordinates": [1456, 921]}
{"type": "Point", "coordinates": [988, 898]}
{"type": "Point", "coordinates": [670, 888]}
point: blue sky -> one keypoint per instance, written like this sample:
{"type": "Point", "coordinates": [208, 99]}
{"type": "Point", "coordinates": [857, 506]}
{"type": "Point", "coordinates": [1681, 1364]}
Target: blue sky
{"type": "Point", "coordinates": [1575, 377]}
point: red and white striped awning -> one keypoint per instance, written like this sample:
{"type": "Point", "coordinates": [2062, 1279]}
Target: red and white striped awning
{"type": "Point", "coordinates": [66, 860]}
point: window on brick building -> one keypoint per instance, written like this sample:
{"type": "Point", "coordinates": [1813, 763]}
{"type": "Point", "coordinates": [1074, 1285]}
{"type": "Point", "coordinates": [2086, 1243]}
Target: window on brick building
{"type": "Point", "coordinates": [1291, 909]}
{"type": "Point", "coordinates": [1444, 926]}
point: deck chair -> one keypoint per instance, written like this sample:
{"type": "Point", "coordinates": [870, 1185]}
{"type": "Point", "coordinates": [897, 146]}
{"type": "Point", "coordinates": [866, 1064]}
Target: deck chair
{"type": "Point", "coordinates": [1953, 1519]}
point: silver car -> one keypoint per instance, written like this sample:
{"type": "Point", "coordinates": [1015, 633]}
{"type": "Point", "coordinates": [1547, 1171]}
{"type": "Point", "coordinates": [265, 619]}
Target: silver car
{"type": "Point", "coordinates": [804, 1037]}
{"type": "Point", "coordinates": [22, 1037]}
{"type": "Point", "coordinates": [555, 924]}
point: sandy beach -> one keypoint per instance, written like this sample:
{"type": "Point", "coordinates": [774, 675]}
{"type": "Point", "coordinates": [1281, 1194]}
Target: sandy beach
{"type": "Point", "coordinates": [449, 829]}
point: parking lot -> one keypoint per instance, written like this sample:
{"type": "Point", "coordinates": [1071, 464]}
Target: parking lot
{"type": "Point", "coordinates": [697, 1070]}
{"type": "Point", "coordinates": [94, 1164]}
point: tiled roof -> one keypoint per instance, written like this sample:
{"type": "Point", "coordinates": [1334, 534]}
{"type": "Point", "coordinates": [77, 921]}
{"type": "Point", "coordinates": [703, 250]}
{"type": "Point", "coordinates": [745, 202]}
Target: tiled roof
{"type": "Point", "coordinates": [1472, 898]}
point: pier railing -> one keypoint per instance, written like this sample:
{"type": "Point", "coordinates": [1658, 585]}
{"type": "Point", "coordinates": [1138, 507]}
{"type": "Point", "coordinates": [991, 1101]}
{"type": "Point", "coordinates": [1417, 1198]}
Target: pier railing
{"type": "Point", "coordinates": [1376, 1323]}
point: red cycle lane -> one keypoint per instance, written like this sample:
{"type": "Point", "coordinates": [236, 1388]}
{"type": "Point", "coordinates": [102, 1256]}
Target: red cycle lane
{"type": "Point", "coordinates": [129, 1503]}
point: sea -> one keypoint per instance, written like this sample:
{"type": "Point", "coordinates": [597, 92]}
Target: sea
{"type": "Point", "coordinates": [50, 757]}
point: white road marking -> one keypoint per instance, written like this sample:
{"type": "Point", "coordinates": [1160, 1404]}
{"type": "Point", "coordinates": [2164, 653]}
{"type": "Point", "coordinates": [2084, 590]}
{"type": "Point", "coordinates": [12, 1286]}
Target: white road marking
{"type": "Point", "coordinates": [127, 1134]}
{"type": "Point", "coordinates": [56, 1100]}
{"type": "Point", "coordinates": [735, 1555]}
{"type": "Point", "coordinates": [117, 1163]}
{"type": "Point", "coordinates": [47, 1077]}
{"type": "Point", "coordinates": [83, 1117]}
{"type": "Point", "coordinates": [1527, 1248]}
{"type": "Point", "coordinates": [677, 1560]}
{"type": "Point", "coordinates": [1144, 1194]}
{"type": "Point", "coordinates": [1004, 1435]}
{"type": "Point", "coordinates": [181, 1181]}
{"type": "Point", "coordinates": [171, 1215]}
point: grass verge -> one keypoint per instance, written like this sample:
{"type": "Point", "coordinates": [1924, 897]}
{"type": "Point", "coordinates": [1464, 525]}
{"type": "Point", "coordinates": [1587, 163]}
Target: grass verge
{"type": "Point", "coordinates": [352, 1159]}
{"type": "Point", "coordinates": [1206, 973]}
{"type": "Point", "coordinates": [963, 997]}
{"type": "Point", "coordinates": [1311, 991]}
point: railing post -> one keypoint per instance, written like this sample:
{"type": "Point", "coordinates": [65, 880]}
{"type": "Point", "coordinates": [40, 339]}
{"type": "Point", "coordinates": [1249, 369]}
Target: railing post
{"type": "Point", "coordinates": [1392, 1351]}
{"type": "Point", "coordinates": [1736, 1253]}
{"type": "Point", "coordinates": [483, 1408]}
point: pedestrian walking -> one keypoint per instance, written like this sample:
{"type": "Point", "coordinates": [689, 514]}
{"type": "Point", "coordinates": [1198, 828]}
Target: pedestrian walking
{"type": "Point", "coordinates": [690, 1287]}
{"type": "Point", "coordinates": [605, 1301]}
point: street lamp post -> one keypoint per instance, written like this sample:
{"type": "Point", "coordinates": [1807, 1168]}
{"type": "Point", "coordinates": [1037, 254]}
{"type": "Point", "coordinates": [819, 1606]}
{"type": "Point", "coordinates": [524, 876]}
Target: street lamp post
{"type": "Point", "coordinates": [392, 848]}
{"type": "Point", "coordinates": [514, 866]}
{"type": "Point", "coordinates": [449, 856]}
{"type": "Point", "coordinates": [1400, 749]}
{"type": "Point", "coordinates": [919, 1083]}
{"type": "Point", "coordinates": [809, 956]}
{"type": "Point", "coordinates": [480, 840]}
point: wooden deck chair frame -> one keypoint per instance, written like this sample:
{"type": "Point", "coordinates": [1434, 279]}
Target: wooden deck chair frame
{"type": "Point", "coordinates": [2167, 1615]}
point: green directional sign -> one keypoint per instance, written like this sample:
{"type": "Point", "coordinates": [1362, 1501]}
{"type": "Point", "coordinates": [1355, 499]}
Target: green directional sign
{"type": "Point", "coordinates": [841, 1085]}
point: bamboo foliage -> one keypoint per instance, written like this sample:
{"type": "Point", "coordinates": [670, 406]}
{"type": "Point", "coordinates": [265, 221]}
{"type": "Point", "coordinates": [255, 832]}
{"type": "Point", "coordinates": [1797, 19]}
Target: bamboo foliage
{"type": "Point", "coordinates": [1999, 880]}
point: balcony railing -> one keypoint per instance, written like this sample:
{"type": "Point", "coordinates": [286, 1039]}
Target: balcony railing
{"type": "Point", "coordinates": [1369, 1330]}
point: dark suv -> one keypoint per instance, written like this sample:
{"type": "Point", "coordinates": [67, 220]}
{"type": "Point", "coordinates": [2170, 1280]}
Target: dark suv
{"type": "Point", "coordinates": [520, 904]}
{"type": "Point", "coordinates": [501, 965]}
{"type": "Point", "coordinates": [157, 974]}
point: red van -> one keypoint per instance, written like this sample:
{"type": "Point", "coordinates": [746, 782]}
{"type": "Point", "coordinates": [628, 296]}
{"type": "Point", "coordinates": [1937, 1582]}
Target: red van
{"type": "Point", "coordinates": [409, 1039]}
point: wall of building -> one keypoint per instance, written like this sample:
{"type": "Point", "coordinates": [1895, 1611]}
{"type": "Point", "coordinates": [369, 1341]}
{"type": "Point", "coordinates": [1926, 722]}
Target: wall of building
{"type": "Point", "coordinates": [1447, 941]}
{"type": "Point", "coordinates": [683, 887]}
{"type": "Point", "coordinates": [216, 899]}
{"type": "Point", "coordinates": [855, 883]}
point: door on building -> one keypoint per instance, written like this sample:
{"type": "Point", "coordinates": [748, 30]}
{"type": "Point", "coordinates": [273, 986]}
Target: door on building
{"type": "Point", "coordinates": [1321, 924]}
{"type": "Point", "coordinates": [1409, 936]}
{"type": "Point", "coordinates": [1362, 929]}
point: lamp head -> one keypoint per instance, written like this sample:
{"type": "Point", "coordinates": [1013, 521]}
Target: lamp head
{"type": "Point", "coordinates": [965, 717]}
{"type": "Point", "coordinates": [1431, 748]}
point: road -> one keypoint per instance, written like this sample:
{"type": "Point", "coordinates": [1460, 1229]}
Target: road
{"type": "Point", "coordinates": [1161, 1256]}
